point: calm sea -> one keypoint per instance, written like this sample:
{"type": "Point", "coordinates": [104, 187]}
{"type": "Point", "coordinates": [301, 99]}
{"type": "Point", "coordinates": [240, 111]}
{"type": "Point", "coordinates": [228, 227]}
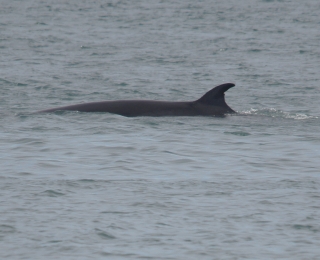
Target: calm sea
{"type": "Point", "coordinates": [101, 186]}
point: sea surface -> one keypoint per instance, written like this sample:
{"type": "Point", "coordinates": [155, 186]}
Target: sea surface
{"type": "Point", "coordinates": [101, 186]}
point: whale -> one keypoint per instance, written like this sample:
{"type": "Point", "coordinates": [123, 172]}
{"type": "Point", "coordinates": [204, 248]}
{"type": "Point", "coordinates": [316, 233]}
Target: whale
{"type": "Point", "coordinates": [211, 103]}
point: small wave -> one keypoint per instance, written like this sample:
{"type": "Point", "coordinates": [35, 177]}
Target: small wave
{"type": "Point", "coordinates": [272, 112]}
{"type": "Point", "coordinates": [103, 234]}
{"type": "Point", "coordinates": [52, 193]}
{"type": "Point", "coordinates": [7, 229]}
{"type": "Point", "coordinates": [239, 133]}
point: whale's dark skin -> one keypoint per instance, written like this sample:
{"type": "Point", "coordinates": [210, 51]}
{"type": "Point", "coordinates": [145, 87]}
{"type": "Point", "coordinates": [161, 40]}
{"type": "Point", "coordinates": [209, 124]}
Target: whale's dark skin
{"type": "Point", "coordinates": [210, 104]}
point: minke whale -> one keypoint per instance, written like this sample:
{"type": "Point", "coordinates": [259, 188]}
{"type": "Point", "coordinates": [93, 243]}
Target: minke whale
{"type": "Point", "coordinates": [210, 104]}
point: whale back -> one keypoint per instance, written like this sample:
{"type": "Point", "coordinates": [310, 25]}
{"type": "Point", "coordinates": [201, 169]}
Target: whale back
{"type": "Point", "coordinates": [211, 103]}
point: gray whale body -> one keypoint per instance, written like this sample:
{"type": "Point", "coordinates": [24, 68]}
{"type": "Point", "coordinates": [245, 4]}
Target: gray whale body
{"type": "Point", "coordinates": [210, 104]}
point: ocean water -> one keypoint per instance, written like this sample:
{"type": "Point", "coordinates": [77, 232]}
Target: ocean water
{"type": "Point", "coordinates": [102, 186]}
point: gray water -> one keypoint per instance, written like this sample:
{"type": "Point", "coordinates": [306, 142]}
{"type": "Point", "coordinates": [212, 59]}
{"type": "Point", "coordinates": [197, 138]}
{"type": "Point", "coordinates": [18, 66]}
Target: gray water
{"type": "Point", "coordinates": [101, 186]}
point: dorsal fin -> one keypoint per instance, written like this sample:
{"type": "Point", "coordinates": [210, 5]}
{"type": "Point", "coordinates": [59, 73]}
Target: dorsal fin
{"type": "Point", "coordinates": [216, 95]}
